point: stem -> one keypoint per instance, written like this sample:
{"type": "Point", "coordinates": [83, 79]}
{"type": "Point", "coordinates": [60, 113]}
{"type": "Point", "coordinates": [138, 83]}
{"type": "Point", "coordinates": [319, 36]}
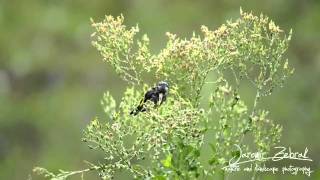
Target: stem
{"type": "Point", "coordinates": [252, 114]}
{"type": "Point", "coordinates": [79, 171]}
{"type": "Point", "coordinates": [256, 99]}
{"type": "Point", "coordinates": [255, 103]}
{"type": "Point", "coordinates": [198, 91]}
{"type": "Point", "coordinates": [236, 78]}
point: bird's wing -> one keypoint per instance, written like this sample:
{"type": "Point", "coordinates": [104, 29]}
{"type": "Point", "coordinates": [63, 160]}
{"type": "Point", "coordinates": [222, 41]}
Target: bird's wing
{"type": "Point", "coordinates": [149, 94]}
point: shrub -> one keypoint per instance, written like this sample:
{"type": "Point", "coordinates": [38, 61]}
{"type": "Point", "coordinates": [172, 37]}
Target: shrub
{"type": "Point", "coordinates": [167, 142]}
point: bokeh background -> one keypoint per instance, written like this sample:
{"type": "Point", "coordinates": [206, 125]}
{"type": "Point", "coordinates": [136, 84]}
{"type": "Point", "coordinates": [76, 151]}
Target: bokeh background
{"type": "Point", "coordinates": [52, 79]}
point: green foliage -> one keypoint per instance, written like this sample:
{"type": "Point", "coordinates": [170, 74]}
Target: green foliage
{"type": "Point", "coordinates": [165, 142]}
{"type": "Point", "coordinates": [124, 138]}
{"type": "Point", "coordinates": [116, 45]}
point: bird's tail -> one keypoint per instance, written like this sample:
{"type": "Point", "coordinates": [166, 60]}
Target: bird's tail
{"type": "Point", "coordinates": [138, 109]}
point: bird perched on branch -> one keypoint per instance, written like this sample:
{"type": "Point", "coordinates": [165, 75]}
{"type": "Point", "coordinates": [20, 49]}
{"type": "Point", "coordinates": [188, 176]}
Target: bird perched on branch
{"type": "Point", "coordinates": [157, 95]}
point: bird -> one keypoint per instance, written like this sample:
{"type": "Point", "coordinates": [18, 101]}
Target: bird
{"type": "Point", "coordinates": [157, 95]}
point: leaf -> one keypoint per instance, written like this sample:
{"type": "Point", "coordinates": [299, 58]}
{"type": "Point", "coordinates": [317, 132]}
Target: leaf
{"type": "Point", "coordinates": [213, 160]}
{"type": "Point", "coordinates": [235, 153]}
{"type": "Point", "coordinates": [167, 162]}
{"type": "Point", "coordinates": [196, 153]}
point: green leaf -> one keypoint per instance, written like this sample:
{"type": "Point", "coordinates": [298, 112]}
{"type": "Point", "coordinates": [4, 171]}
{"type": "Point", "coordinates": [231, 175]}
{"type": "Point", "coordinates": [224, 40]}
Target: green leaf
{"type": "Point", "coordinates": [213, 160]}
{"type": "Point", "coordinates": [167, 162]}
{"type": "Point", "coordinates": [235, 153]}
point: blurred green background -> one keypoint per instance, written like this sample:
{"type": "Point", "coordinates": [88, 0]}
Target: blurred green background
{"type": "Point", "coordinates": [52, 79]}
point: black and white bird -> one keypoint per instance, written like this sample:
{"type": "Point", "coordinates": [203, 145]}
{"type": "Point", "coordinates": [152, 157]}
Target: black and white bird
{"type": "Point", "coordinates": [157, 95]}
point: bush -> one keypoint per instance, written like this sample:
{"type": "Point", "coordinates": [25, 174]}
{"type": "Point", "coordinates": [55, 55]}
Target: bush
{"type": "Point", "coordinates": [167, 142]}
